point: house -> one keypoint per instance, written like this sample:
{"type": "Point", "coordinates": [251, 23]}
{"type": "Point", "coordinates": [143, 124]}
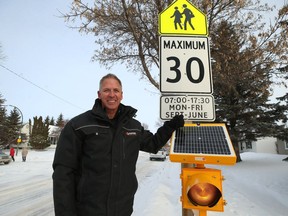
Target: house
{"type": "Point", "coordinates": [54, 133]}
{"type": "Point", "coordinates": [53, 136]}
{"type": "Point", "coordinates": [262, 145]}
{"type": "Point", "coordinates": [25, 134]}
{"type": "Point", "coordinates": [282, 147]}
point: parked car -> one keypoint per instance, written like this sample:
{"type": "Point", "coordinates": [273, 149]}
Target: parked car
{"type": "Point", "coordinates": [4, 158]}
{"type": "Point", "coordinates": [160, 155]}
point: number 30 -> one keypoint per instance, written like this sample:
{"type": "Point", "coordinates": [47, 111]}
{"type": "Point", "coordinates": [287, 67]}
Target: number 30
{"type": "Point", "coordinates": [188, 70]}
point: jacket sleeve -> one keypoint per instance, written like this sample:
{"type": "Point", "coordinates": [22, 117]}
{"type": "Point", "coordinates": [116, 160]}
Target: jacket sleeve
{"type": "Point", "coordinates": [152, 143]}
{"type": "Point", "coordinates": [66, 169]}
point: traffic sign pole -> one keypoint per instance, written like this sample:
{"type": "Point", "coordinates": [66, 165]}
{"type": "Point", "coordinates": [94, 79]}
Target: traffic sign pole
{"type": "Point", "coordinates": [186, 87]}
{"type": "Point", "coordinates": [187, 212]}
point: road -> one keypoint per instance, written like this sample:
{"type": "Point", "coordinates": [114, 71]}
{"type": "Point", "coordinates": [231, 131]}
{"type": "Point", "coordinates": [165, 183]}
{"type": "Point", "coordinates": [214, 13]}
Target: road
{"type": "Point", "coordinates": [257, 186]}
{"type": "Point", "coordinates": [26, 187]}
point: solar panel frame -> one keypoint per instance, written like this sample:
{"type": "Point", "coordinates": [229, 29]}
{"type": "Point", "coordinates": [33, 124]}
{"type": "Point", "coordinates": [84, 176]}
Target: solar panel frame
{"type": "Point", "coordinates": [202, 144]}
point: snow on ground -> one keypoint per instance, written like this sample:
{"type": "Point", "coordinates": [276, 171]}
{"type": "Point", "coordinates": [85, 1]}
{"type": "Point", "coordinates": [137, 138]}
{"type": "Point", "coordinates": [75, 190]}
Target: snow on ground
{"type": "Point", "coordinates": [258, 186]}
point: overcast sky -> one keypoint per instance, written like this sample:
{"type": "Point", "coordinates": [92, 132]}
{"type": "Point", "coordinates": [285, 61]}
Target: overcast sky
{"type": "Point", "coordinates": [48, 68]}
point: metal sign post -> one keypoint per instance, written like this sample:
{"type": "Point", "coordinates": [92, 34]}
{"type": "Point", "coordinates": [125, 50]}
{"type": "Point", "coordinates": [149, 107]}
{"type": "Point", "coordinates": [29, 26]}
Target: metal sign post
{"type": "Point", "coordinates": [186, 86]}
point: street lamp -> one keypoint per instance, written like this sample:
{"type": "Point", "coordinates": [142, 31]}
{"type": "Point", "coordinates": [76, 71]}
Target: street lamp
{"type": "Point", "coordinates": [19, 138]}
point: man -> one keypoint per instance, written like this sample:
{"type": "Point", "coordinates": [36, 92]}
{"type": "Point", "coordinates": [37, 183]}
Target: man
{"type": "Point", "coordinates": [95, 158]}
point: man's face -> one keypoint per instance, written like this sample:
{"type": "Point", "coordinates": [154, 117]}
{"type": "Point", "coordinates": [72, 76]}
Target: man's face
{"type": "Point", "coordinates": [110, 94]}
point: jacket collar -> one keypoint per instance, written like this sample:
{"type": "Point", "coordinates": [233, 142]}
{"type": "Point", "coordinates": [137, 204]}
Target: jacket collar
{"type": "Point", "coordinates": [124, 112]}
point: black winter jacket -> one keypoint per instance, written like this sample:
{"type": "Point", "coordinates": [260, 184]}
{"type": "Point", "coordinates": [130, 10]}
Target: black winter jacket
{"type": "Point", "coordinates": [95, 160]}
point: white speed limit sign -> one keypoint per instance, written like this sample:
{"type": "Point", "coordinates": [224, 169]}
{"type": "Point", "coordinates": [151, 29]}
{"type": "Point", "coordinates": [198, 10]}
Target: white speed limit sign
{"type": "Point", "coordinates": [185, 65]}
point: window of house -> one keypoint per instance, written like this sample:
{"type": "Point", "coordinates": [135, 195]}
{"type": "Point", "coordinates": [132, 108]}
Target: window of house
{"type": "Point", "coordinates": [249, 144]}
{"type": "Point", "coordinates": [241, 146]}
{"type": "Point", "coordinates": [286, 145]}
{"type": "Point", "coordinates": [24, 137]}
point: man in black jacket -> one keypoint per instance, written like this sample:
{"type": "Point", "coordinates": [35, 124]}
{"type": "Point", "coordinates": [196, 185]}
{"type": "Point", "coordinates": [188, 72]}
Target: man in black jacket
{"type": "Point", "coordinates": [96, 155]}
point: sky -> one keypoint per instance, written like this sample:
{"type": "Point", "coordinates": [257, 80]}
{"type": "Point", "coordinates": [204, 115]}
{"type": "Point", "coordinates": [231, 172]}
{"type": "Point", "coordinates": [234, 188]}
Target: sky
{"type": "Point", "coordinates": [257, 186]}
{"type": "Point", "coordinates": [48, 68]}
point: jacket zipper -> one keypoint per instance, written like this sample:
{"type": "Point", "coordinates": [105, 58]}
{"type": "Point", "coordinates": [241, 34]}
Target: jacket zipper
{"type": "Point", "coordinates": [123, 147]}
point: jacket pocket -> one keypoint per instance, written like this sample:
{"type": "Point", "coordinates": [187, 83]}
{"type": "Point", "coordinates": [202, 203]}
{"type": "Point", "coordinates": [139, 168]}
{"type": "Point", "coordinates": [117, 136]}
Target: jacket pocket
{"type": "Point", "coordinates": [97, 140]}
{"type": "Point", "coordinates": [94, 129]}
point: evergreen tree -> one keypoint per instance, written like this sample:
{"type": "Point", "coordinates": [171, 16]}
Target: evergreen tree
{"type": "Point", "coordinates": [3, 122]}
{"type": "Point", "coordinates": [281, 109]}
{"type": "Point", "coordinates": [47, 120]}
{"type": "Point", "coordinates": [60, 121]}
{"type": "Point", "coordinates": [39, 135]}
{"type": "Point", "coordinates": [10, 125]}
{"type": "Point", "coordinates": [30, 131]}
{"type": "Point", "coordinates": [14, 125]}
{"type": "Point", "coordinates": [241, 88]}
{"type": "Point", "coordinates": [52, 121]}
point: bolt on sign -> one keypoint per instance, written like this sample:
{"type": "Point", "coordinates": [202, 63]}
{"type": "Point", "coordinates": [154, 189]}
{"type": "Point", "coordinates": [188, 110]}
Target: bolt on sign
{"type": "Point", "coordinates": [182, 18]}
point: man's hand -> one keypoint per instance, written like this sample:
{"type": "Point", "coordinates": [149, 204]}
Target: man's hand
{"type": "Point", "coordinates": [176, 122]}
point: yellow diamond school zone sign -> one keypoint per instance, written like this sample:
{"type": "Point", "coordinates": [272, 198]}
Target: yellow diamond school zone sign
{"type": "Point", "coordinates": [183, 18]}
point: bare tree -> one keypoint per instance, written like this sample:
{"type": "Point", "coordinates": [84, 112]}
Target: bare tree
{"type": "Point", "coordinates": [126, 32]}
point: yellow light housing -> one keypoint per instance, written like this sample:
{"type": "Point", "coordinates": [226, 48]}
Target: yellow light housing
{"type": "Point", "coordinates": [202, 189]}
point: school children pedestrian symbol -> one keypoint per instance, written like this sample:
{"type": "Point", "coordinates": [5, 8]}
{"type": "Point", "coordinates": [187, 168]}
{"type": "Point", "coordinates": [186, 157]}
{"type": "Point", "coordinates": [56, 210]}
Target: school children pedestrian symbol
{"type": "Point", "coordinates": [178, 16]}
{"type": "Point", "coordinates": [182, 17]}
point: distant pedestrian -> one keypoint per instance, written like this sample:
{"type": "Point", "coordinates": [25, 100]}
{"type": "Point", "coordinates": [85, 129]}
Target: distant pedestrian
{"type": "Point", "coordinates": [24, 154]}
{"type": "Point", "coordinates": [12, 153]}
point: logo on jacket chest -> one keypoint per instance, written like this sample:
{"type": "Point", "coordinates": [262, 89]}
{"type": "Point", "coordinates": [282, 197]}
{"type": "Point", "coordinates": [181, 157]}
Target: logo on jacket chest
{"type": "Point", "coordinates": [130, 133]}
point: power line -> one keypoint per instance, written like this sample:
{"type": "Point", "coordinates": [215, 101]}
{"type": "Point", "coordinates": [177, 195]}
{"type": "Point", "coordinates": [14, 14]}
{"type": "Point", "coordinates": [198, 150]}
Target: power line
{"type": "Point", "coordinates": [39, 87]}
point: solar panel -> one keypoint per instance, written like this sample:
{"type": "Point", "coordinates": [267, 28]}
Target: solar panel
{"type": "Point", "coordinates": [202, 144]}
